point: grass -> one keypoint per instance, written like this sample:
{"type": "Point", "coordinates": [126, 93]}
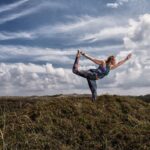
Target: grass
{"type": "Point", "coordinates": [74, 123]}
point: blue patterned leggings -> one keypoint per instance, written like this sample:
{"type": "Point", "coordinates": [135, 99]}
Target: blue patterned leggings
{"type": "Point", "coordinates": [90, 75]}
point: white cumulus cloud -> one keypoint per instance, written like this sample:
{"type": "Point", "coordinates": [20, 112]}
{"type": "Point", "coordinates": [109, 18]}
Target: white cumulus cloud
{"type": "Point", "coordinates": [117, 3]}
{"type": "Point", "coordinates": [137, 72]}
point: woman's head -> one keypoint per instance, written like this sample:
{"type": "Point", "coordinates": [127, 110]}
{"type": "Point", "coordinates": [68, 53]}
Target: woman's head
{"type": "Point", "coordinates": [111, 60]}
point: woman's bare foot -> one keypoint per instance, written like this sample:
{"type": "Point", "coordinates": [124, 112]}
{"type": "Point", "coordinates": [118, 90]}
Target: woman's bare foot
{"type": "Point", "coordinates": [78, 53]}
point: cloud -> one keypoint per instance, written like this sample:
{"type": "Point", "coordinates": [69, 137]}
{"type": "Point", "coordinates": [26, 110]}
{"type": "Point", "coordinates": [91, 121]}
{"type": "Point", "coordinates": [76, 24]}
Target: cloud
{"type": "Point", "coordinates": [15, 35]}
{"type": "Point", "coordinates": [38, 79]}
{"type": "Point", "coordinates": [21, 14]}
{"type": "Point", "coordinates": [136, 73]}
{"type": "Point", "coordinates": [83, 23]}
{"type": "Point", "coordinates": [14, 54]}
{"type": "Point", "coordinates": [34, 79]}
{"type": "Point", "coordinates": [117, 3]}
{"type": "Point", "coordinates": [139, 33]}
{"type": "Point", "coordinates": [12, 6]}
{"type": "Point", "coordinates": [82, 29]}
{"type": "Point", "coordinates": [79, 32]}
{"type": "Point", "coordinates": [30, 10]}
{"type": "Point", "coordinates": [138, 38]}
{"type": "Point", "coordinates": [112, 5]}
{"type": "Point", "coordinates": [31, 79]}
{"type": "Point", "coordinates": [39, 55]}
{"type": "Point", "coordinates": [107, 33]}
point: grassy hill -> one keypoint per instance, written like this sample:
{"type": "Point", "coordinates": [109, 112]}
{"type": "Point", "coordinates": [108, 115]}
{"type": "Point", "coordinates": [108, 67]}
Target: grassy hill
{"type": "Point", "coordinates": [75, 123]}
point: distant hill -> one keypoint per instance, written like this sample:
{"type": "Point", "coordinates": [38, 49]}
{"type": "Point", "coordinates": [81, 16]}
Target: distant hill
{"type": "Point", "coordinates": [73, 122]}
{"type": "Point", "coordinates": [145, 98]}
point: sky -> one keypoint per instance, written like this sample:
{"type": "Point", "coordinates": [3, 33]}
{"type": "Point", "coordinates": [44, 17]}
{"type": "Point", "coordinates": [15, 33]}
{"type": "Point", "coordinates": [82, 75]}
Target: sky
{"type": "Point", "coordinates": [39, 40]}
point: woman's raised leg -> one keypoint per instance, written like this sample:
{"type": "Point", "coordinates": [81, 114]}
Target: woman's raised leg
{"type": "Point", "coordinates": [76, 63]}
{"type": "Point", "coordinates": [83, 73]}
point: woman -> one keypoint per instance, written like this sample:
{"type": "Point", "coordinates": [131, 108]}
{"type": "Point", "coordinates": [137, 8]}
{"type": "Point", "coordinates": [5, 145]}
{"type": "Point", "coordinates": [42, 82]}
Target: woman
{"type": "Point", "coordinates": [94, 74]}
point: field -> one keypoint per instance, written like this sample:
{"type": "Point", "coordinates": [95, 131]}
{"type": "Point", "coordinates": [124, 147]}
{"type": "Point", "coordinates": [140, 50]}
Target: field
{"type": "Point", "coordinates": [73, 122]}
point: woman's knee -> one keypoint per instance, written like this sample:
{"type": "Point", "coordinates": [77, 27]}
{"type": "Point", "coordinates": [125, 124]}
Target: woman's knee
{"type": "Point", "coordinates": [74, 70]}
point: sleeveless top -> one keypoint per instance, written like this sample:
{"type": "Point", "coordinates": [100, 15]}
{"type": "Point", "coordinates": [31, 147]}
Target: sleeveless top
{"type": "Point", "coordinates": [102, 71]}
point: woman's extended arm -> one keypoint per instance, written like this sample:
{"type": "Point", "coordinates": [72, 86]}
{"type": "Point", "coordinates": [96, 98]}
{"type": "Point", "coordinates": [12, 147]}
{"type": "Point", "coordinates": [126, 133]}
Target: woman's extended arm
{"type": "Point", "coordinates": [121, 62]}
{"type": "Point", "coordinates": [96, 61]}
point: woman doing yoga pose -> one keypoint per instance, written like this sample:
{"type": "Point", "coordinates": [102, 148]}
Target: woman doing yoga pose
{"type": "Point", "coordinates": [94, 74]}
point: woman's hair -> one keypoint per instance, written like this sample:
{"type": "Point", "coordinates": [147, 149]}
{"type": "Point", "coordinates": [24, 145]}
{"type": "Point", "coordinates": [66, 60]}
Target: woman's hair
{"type": "Point", "coordinates": [109, 59]}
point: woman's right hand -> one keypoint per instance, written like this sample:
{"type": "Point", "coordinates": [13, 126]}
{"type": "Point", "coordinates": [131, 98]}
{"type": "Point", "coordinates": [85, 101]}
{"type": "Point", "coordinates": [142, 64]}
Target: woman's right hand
{"type": "Point", "coordinates": [82, 53]}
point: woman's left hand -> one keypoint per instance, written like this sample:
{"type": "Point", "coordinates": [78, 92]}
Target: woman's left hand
{"type": "Point", "coordinates": [129, 56]}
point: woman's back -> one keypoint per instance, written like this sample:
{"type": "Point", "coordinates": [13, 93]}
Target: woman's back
{"type": "Point", "coordinates": [103, 71]}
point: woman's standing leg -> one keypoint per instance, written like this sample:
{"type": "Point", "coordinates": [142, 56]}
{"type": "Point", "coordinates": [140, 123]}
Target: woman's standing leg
{"type": "Point", "coordinates": [93, 87]}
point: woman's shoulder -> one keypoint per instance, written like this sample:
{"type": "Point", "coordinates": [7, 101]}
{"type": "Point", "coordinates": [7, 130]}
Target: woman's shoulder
{"type": "Point", "coordinates": [103, 64]}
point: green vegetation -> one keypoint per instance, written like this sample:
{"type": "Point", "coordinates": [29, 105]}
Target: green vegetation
{"type": "Point", "coordinates": [74, 123]}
